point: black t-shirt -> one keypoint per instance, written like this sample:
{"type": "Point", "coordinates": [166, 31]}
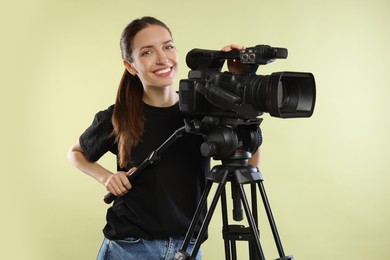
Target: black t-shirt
{"type": "Point", "coordinates": [164, 196]}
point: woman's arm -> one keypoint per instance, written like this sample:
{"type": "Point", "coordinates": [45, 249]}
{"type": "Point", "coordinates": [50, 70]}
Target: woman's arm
{"type": "Point", "coordinates": [255, 159]}
{"type": "Point", "coordinates": [118, 184]}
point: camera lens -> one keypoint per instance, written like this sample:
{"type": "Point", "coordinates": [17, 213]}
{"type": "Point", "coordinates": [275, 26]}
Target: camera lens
{"type": "Point", "coordinates": [283, 94]}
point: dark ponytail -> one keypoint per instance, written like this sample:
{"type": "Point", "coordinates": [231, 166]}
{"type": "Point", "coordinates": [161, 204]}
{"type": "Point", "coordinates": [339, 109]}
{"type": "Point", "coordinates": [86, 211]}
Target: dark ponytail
{"type": "Point", "coordinates": [127, 118]}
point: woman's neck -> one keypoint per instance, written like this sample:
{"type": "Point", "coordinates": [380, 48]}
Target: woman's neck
{"type": "Point", "coordinates": [160, 97]}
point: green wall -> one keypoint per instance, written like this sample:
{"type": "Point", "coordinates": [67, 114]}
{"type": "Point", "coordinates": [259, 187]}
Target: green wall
{"type": "Point", "coordinates": [327, 177]}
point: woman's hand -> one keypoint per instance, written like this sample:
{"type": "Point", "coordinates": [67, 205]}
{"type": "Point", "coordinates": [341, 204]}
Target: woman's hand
{"type": "Point", "coordinates": [235, 65]}
{"type": "Point", "coordinates": [230, 47]}
{"type": "Point", "coordinates": [119, 184]}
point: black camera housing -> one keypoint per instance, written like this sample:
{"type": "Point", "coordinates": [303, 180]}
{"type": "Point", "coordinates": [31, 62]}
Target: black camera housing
{"type": "Point", "coordinates": [210, 92]}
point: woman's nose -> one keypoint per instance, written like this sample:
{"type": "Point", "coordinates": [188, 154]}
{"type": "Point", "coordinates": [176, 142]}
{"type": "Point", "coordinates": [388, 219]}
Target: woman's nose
{"type": "Point", "coordinates": [162, 57]}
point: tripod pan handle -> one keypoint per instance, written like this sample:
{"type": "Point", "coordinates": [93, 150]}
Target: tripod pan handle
{"type": "Point", "coordinates": [109, 198]}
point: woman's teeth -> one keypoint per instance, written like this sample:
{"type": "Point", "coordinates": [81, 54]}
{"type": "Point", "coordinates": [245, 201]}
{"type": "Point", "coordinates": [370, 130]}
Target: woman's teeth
{"type": "Point", "coordinates": [163, 71]}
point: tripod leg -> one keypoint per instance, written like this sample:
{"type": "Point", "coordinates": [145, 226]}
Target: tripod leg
{"type": "Point", "coordinates": [234, 250]}
{"type": "Point", "coordinates": [251, 221]}
{"type": "Point", "coordinates": [225, 224]}
{"type": "Point", "coordinates": [254, 202]}
{"type": "Point", "coordinates": [206, 222]}
{"type": "Point", "coordinates": [271, 220]}
{"type": "Point", "coordinates": [221, 187]}
{"type": "Point", "coordinates": [253, 254]}
{"type": "Point", "coordinates": [195, 219]}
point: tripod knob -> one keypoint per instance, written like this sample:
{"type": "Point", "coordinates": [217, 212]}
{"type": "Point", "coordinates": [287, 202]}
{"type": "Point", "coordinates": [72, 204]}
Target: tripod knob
{"type": "Point", "coordinates": [209, 149]}
{"type": "Point", "coordinates": [221, 143]}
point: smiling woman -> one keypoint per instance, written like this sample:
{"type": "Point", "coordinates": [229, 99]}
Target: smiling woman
{"type": "Point", "coordinates": [151, 215]}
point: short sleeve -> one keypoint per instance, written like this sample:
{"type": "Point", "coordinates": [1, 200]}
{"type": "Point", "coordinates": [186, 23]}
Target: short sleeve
{"type": "Point", "coordinates": [97, 139]}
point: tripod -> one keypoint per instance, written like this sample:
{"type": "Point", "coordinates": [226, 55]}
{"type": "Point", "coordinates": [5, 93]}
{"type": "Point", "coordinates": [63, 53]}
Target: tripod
{"type": "Point", "coordinates": [232, 141]}
{"type": "Point", "coordinates": [234, 169]}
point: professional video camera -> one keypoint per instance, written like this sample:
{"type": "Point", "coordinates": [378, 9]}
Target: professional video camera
{"type": "Point", "coordinates": [228, 105]}
{"type": "Point", "coordinates": [210, 92]}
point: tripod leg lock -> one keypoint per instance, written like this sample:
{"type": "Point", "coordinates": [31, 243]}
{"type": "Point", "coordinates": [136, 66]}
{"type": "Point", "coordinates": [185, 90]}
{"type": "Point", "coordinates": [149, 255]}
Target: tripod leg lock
{"type": "Point", "coordinates": [182, 255]}
{"type": "Point", "coordinates": [238, 233]}
{"type": "Point", "coordinates": [290, 257]}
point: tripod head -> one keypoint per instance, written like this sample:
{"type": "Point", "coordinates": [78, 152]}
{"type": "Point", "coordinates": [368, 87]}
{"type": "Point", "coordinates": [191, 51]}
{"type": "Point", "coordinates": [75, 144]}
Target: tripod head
{"type": "Point", "coordinates": [227, 139]}
{"type": "Point", "coordinates": [233, 141]}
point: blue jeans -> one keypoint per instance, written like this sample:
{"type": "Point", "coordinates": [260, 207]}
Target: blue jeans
{"type": "Point", "coordinates": [139, 249]}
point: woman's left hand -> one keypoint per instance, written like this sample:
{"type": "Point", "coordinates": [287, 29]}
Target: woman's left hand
{"type": "Point", "coordinates": [235, 65]}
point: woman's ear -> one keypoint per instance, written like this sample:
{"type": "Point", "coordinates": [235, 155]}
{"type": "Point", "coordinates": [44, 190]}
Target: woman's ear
{"type": "Point", "coordinates": [129, 67]}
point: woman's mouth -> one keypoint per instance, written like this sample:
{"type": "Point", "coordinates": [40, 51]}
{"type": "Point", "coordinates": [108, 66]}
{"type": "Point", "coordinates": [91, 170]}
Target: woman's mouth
{"type": "Point", "coordinates": [163, 71]}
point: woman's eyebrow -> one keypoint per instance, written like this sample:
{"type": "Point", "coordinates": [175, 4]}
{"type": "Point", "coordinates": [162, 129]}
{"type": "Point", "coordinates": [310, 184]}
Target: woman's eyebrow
{"type": "Point", "coordinates": [151, 46]}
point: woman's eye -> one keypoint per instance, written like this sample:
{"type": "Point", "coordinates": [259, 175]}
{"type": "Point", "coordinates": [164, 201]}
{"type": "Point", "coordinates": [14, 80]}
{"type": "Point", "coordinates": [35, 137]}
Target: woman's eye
{"type": "Point", "coordinates": [146, 53]}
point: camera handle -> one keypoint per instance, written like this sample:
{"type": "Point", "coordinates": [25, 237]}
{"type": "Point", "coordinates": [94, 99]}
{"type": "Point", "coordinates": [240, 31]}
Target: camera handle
{"type": "Point", "coordinates": [153, 158]}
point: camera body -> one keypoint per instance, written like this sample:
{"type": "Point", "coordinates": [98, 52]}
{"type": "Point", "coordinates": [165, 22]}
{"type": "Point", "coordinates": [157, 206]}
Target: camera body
{"type": "Point", "coordinates": [210, 92]}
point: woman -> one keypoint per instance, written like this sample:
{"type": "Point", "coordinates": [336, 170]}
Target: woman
{"type": "Point", "coordinates": [150, 217]}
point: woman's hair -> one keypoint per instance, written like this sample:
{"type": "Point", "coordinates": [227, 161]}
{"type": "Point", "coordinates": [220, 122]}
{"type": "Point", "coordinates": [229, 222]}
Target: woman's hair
{"type": "Point", "coordinates": [127, 118]}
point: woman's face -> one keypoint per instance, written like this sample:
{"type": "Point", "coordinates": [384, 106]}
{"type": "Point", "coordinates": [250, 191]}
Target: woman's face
{"type": "Point", "coordinates": [154, 57]}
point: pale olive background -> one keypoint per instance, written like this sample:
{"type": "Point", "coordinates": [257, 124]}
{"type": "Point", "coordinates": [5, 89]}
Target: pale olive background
{"type": "Point", "coordinates": [327, 177]}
